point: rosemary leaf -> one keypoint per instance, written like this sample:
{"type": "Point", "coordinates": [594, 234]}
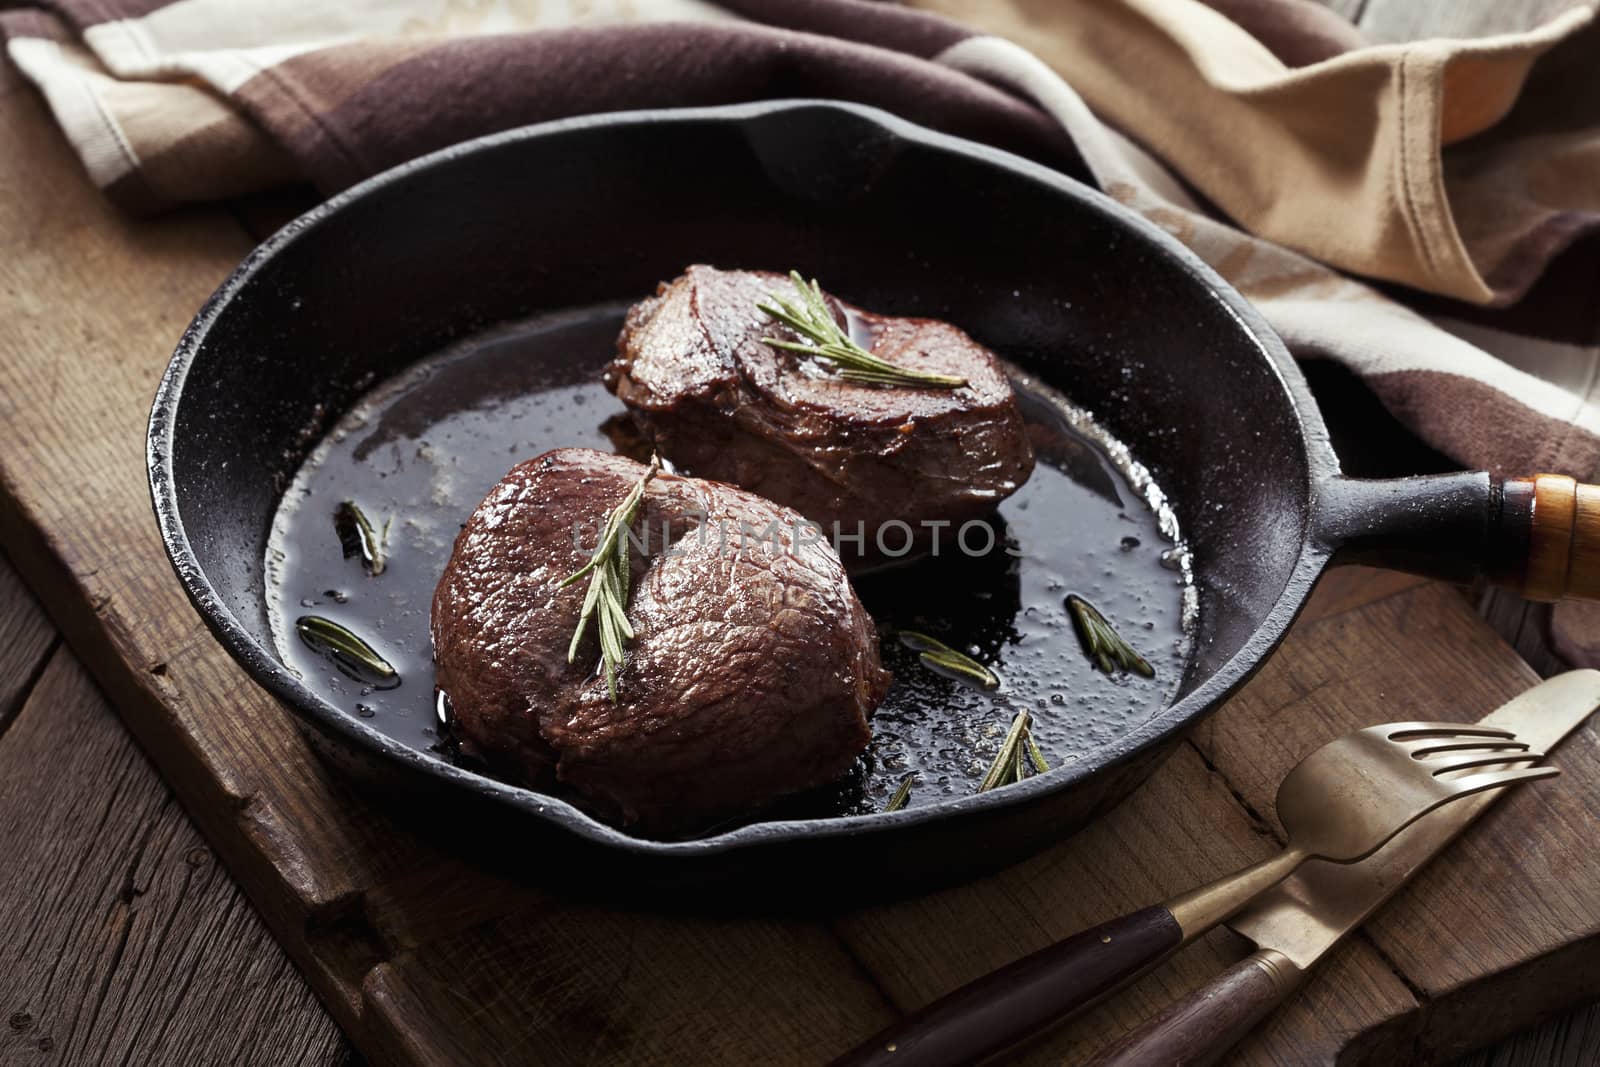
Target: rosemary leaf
{"type": "Point", "coordinates": [610, 651]}
{"type": "Point", "coordinates": [356, 535]}
{"type": "Point", "coordinates": [620, 576]}
{"type": "Point", "coordinates": [917, 641]}
{"type": "Point", "coordinates": [942, 659]}
{"type": "Point", "coordinates": [901, 795]}
{"type": "Point", "coordinates": [609, 578]}
{"type": "Point", "coordinates": [810, 317]}
{"type": "Point", "coordinates": [1103, 644]}
{"type": "Point", "coordinates": [1005, 761]}
{"type": "Point", "coordinates": [961, 666]}
{"type": "Point", "coordinates": [1017, 752]}
{"type": "Point", "coordinates": [1036, 756]}
{"type": "Point", "coordinates": [589, 600]}
{"type": "Point", "coordinates": [349, 652]}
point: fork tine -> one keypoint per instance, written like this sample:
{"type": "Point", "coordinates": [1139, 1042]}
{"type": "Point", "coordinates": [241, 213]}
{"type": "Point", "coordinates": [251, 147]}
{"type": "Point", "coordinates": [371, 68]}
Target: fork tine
{"type": "Point", "coordinates": [1477, 783]}
{"type": "Point", "coordinates": [1399, 731]}
{"type": "Point", "coordinates": [1485, 744]}
{"type": "Point", "coordinates": [1488, 761]}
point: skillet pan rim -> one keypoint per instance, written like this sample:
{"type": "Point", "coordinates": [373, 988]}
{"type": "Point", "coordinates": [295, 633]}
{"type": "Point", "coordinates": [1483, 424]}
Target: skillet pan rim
{"type": "Point", "coordinates": [1166, 726]}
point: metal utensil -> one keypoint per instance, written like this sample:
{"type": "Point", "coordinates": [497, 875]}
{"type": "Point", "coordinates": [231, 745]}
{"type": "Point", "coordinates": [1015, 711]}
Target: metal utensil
{"type": "Point", "coordinates": [1349, 797]}
{"type": "Point", "coordinates": [1341, 803]}
{"type": "Point", "coordinates": [1296, 922]}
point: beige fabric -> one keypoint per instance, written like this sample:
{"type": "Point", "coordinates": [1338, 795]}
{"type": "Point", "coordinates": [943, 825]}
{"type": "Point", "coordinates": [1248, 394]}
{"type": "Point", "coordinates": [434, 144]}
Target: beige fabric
{"type": "Point", "coordinates": [1321, 313]}
{"type": "Point", "coordinates": [1343, 159]}
{"type": "Point", "coordinates": [159, 142]}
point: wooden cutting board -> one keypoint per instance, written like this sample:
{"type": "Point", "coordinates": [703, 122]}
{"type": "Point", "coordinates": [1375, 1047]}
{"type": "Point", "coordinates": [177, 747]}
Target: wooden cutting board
{"type": "Point", "coordinates": [424, 958]}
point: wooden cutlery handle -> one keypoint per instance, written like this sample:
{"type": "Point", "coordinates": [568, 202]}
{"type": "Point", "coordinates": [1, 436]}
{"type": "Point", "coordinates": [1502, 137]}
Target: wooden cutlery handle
{"type": "Point", "coordinates": [1198, 1029]}
{"type": "Point", "coordinates": [1001, 1008]}
{"type": "Point", "coordinates": [1549, 538]}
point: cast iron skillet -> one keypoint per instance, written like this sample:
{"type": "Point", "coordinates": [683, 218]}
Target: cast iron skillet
{"type": "Point", "coordinates": [1050, 273]}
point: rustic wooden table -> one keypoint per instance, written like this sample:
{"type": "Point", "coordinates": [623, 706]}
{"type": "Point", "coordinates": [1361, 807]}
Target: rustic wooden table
{"type": "Point", "coordinates": [126, 940]}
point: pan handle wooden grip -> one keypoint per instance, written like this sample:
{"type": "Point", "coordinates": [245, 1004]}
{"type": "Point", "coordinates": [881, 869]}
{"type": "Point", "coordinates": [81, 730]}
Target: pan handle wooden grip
{"type": "Point", "coordinates": [1548, 538]}
{"type": "Point", "coordinates": [1538, 535]}
{"type": "Point", "coordinates": [1199, 1029]}
{"type": "Point", "coordinates": [1001, 1008]}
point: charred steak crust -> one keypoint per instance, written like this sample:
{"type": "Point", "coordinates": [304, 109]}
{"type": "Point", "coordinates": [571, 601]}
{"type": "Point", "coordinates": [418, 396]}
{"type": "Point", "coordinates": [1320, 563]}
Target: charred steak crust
{"type": "Point", "coordinates": [751, 674]}
{"type": "Point", "coordinates": [722, 404]}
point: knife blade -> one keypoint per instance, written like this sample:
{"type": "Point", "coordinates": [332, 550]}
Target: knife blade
{"type": "Point", "coordinates": [1298, 921]}
{"type": "Point", "coordinates": [1307, 913]}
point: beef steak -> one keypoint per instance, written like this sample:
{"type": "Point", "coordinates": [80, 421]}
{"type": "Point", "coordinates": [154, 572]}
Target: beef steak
{"type": "Point", "coordinates": [721, 403]}
{"type": "Point", "coordinates": [752, 671]}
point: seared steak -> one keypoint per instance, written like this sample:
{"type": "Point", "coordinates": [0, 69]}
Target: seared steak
{"type": "Point", "coordinates": [721, 403]}
{"type": "Point", "coordinates": [751, 674]}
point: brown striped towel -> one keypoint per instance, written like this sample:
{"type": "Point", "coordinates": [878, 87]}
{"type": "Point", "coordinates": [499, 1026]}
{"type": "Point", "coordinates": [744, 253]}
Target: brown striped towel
{"type": "Point", "coordinates": [1422, 212]}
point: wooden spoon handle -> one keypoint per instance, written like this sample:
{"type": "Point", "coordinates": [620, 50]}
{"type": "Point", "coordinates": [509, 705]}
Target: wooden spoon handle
{"type": "Point", "coordinates": [1549, 538]}
{"type": "Point", "coordinates": [1001, 1008]}
{"type": "Point", "coordinates": [1199, 1029]}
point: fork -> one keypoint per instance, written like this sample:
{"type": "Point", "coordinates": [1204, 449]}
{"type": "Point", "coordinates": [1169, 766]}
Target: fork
{"type": "Point", "coordinates": [1341, 803]}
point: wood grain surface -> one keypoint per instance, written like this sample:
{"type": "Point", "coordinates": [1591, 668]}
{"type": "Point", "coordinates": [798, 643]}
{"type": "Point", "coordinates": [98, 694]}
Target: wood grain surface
{"type": "Point", "coordinates": [26, 639]}
{"type": "Point", "coordinates": [423, 958]}
{"type": "Point", "coordinates": [124, 940]}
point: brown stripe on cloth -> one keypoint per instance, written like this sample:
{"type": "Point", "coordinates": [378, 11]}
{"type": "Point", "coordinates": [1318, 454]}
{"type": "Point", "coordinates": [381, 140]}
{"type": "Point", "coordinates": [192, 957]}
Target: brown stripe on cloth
{"type": "Point", "coordinates": [31, 22]}
{"type": "Point", "coordinates": [81, 14]}
{"type": "Point", "coordinates": [223, 158]}
{"type": "Point", "coordinates": [296, 98]}
{"type": "Point", "coordinates": [886, 25]}
{"type": "Point", "coordinates": [348, 112]}
{"type": "Point", "coordinates": [1482, 426]}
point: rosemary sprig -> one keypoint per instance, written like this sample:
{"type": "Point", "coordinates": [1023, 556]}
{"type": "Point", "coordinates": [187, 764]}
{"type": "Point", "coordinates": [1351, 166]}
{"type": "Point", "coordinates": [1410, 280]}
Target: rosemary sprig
{"type": "Point", "coordinates": [348, 652]}
{"type": "Point", "coordinates": [1034, 755]}
{"type": "Point", "coordinates": [901, 795]}
{"type": "Point", "coordinates": [356, 535]}
{"type": "Point", "coordinates": [1009, 764]}
{"type": "Point", "coordinates": [942, 659]}
{"type": "Point", "coordinates": [1104, 645]}
{"type": "Point", "coordinates": [810, 317]}
{"type": "Point", "coordinates": [607, 598]}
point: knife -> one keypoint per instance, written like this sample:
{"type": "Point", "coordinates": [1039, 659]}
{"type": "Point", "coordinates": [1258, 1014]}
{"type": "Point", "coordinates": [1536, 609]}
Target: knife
{"type": "Point", "coordinates": [1295, 923]}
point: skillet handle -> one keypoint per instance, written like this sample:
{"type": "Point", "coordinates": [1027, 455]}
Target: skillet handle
{"type": "Point", "coordinates": [1539, 536]}
{"type": "Point", "coordinates": [1550, 527]}
{"type": "Point", "coordinates": [999, 1009]}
